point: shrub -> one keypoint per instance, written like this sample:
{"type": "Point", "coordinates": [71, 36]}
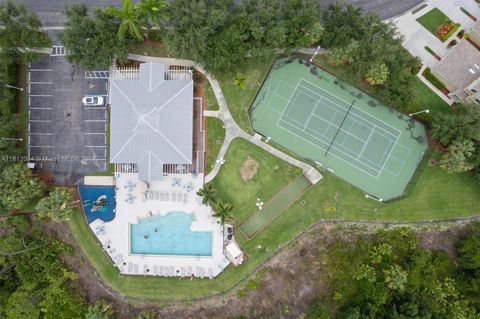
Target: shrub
{"type": "Point", "coordinates": [433, 79]}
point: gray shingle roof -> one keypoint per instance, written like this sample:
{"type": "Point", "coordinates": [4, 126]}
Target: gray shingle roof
{"type": "Point", "coordinates": [151, 121]}
{"type": "Point", "coordinates": [459, 66]}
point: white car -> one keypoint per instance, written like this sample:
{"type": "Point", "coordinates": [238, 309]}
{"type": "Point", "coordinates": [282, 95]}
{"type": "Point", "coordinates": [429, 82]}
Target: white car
{"type": "Point", "coordinates": [93, 100]}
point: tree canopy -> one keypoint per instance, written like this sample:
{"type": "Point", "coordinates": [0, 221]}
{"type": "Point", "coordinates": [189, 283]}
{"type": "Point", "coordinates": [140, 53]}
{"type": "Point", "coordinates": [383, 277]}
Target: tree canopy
{"type": "Point", "coordinates": [20, 32]}
{"type": "Point", "coordinates": [57, 206]}
{"type": "Point", "coordinates": [92, 40]}
{"type": "Point", "coordinates": [18, 186]}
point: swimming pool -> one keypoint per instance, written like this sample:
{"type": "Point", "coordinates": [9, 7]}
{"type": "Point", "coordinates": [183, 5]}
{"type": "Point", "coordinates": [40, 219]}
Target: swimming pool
{"type": "Point", "coordinates": [98, 202]}
{"type": "Point", "coordinates": [169, 235]}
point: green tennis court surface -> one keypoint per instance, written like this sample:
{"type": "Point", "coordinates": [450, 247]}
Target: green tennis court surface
{"type": "Point", "coordinates": [338, 127]}
{"type": "Point", "coordinates": [275, 206]}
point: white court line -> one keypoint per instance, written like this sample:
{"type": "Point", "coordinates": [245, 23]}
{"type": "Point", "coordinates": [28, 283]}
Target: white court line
{"type": "Point", "coordinates": [280, 96]}
{"type": "Point", "coordinates": [391, 150]}
{"type": "Point", "coordinates": [103, 121]}
{"type": "Point", "coordinates": [41, 95]}
{"type": "Point", "coordinates": [311, 113]}
{"type": "Point", "coordinates": [40, 121]}
{"type": "Point", "coordinates": [366, 143]}
{"type": "Point", "coordinates": [40, 70]}
{"type": "Point", "coordinates": [323, 149]}
{"type": "Point", "coordinates": [349, 103]}
{"type": "Point", "coordinates": [286, 106]}
{"type": "Point", "coordinates": [95, 146]}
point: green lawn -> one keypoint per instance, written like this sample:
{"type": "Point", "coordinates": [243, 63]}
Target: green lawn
{"type": "Point", "coordinates": [432, 20]}
{"type": "Point", "coordinates": [272, 175]}
{"type": "Point", "coordinates": [210, 98]}
{"type": "Point", "coordinates": [150, 48]}
{"type": "Point", "coordinates": [239, 100]}
{"type": "Point", "coordinates": [215, 137]}
{"type": "Point", "coordinates": [332, 198]}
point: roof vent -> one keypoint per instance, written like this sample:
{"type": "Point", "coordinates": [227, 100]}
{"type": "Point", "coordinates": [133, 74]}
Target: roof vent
{"type": "Point", "coordinates": [471, 71]}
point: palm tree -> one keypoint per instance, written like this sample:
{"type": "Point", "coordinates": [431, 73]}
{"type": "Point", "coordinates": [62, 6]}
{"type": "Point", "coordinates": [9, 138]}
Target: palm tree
{"type": "Point", "coordinates": [153, 12]}
{"type": "Point", "coordinates": [208, 193]}
{"type": "Point", "coordinates": [130, 20]}
{"type": "Point", "coordinates": [222, 211]}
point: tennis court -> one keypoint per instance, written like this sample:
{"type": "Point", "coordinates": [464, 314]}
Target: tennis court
{"type": "Point", "coordinates": [338, 127]}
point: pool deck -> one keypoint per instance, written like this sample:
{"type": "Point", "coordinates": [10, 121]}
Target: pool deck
{"type": "Point", "coordinates": [115, 237]}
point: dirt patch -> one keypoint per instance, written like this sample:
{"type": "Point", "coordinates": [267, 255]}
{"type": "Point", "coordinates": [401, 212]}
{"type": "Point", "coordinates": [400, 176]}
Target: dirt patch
{"type": "Point", "coordinates": [249, 169]}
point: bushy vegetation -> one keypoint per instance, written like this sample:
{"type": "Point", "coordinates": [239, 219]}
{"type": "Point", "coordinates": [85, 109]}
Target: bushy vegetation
{"type": "Point", "coordinates": [34, 282]}
{"type": "Point", "coordinates": [460, 133]}
{"type": "Point", "coordinates": [433, 79]}
{"type": "Point", "coordinates": [389, 275]}
{"type": "Point", "coordinates": [372, 50]}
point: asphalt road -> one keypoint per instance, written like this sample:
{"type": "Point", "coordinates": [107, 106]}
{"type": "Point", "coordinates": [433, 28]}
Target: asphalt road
{"type": "Point", "coordinates": [50, 12]}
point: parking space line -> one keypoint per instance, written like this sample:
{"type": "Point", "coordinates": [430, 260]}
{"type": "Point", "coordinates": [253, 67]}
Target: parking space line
{"type": "Point", "coordinates": [38, 146]}
{"type": "Point", "coordinates": [40, 70]}
{"type": "Point", "coordinates": [98, 159]}
{"type": "Point", "coordinates": [95, 146]}
{"type": "Point", "coordinates": [40, 108]}
{"type": "Point", "coordinates": [39, 133]}
{"type": "Point", "coordinates": [105, 153]}
{"type": "Point", "coordinates": [40, 82]}
{"type": "Point", "coordinates": [41, 95]}
{"type": "Point", "coordinates": [95, 120]}
{"type": "Point", "coordinates": [87, 133]}
{"type": "Point", "coordinates": [40, 121]}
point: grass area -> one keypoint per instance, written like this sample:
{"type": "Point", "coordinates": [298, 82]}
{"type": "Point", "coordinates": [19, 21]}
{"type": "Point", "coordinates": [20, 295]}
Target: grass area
{"type": "Point", "coordinates": [432, 20]}
{"type": "Point", "coordinates": [422, 97]}
{"type": "Point", "coordinates": [151, 48]}
{"type": "Point", "coordinates": [239, 100]}
{"type": "Point", "coordinates": [210, 98]}
{"type": "Point", "coordinates": [215, 137]}
{"type": "Point", "coordinates": [271, 176]}
{"type": "Point", "coordinates": [332, 198]}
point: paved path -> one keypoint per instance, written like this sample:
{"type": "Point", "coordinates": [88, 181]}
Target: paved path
{"type": "Point", "coordinates": [51, 12]}
{"type": "Point", "coordinates": [232, 129]}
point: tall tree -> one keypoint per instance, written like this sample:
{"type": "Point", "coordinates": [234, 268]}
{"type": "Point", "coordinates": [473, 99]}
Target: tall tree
{"type": "Point", "coordinates": [92, 40]}
{"type": "Point", "coordinates": [20, 32]}
{"type": "Point", "coordinates": [377, 74]}
{"type": "Point", "coordinates": [57, 206]}
{"type": "Point", "coordinates": [222, 211]}
{"type": "Point", "coordinates": [302, 22]}
{"type": "Point", "coordinates": [18, 186]}
{"type": "Point", "coordinates": [100, 310]}
{"type": "Point", "coordinates": [153, 13]}
{"type": "Point", "coordinates": [458, 158]}
{"type": "Point", "coordinates": [207, 192]}
{"type": "Point", "coordinates": [130, 20]}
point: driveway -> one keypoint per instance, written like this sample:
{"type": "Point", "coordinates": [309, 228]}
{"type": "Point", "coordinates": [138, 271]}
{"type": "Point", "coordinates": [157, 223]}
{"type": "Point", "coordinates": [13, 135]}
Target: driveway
{"type": "Point", "coordinates": [50, 12]}
{"type": "Point", "coordinates": [65, 137]}
{"type": "Point", "coordinates": [416, 37]}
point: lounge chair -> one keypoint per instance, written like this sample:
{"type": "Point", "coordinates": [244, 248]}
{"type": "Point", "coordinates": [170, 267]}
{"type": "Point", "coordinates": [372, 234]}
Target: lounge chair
{"type": "Point", "coordinates": [185, 198]}
{"type": "Point", "coordinates": [130, 268]}
{"type": "Point", "coordinates": [167, 196]}
{"type": "Point", "coordinates": [210, 273]}
{"type": "Point", "coordinates": [160, 271]}
{"type": "Point", "coordinates": [182, 271]}
{"type": "Point", "coordinates": [179, 197]}
{"type": "Point", "coordinates": [190, 271]}
{"type": "Point", "coordinates": [135, 268]}
{"type": "Point", "coordinates": [155, 270]}
{"type": "Point", "coordinates": [162, 196]}
{"type": "Point", "coordinates": [172, 271]}
{"type": "Point", "coordinates": [145, 269]}
{"type": "Point", "coordinates": [174, 197]}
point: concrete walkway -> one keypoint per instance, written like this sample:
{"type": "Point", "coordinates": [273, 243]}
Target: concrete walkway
{"type": "Point", "coordinates": [232, 129]}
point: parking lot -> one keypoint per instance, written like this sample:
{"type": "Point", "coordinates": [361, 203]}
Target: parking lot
{"type": "Point", "coordinates": [64, 136]}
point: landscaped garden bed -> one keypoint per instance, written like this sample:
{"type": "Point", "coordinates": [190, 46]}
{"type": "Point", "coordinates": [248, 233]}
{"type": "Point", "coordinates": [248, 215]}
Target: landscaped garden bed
{"type": "Point", "coordinates": [436, 56]}
{"type": "Point", "coordinates": [438, 24]}
{"type": "Point", "coordinates": [427, 74]}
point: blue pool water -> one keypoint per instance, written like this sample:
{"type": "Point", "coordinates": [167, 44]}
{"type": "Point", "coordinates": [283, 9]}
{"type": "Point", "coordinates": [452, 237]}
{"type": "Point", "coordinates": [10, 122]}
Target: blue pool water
{"type": "Point", "coordinates": [169, 235]}
{"type": "Point", "coordinates": [91, 194]}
